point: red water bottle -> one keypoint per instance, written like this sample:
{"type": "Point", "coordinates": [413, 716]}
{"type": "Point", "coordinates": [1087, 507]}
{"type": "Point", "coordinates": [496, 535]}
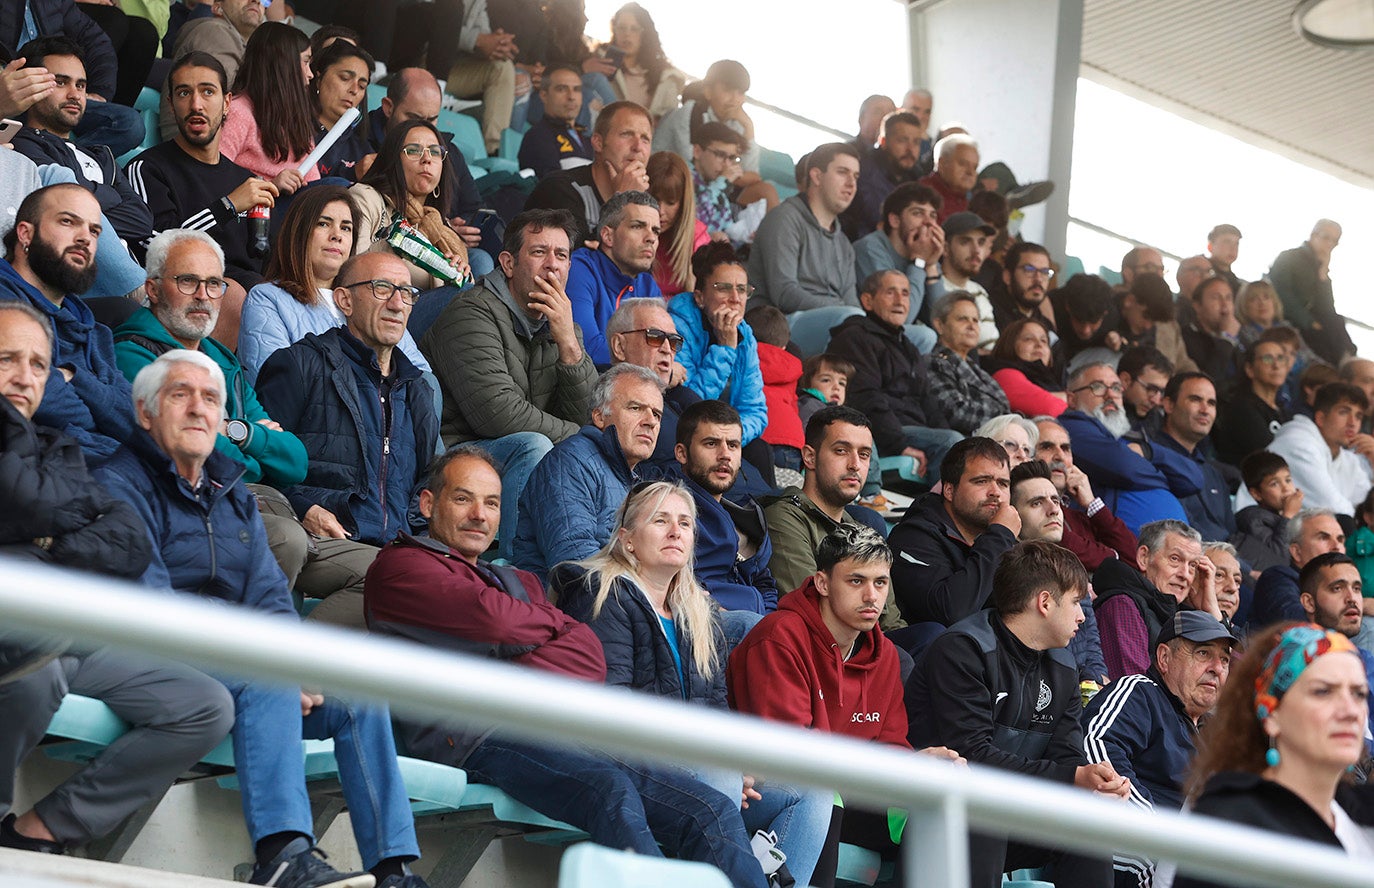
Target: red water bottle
{"type": "Point", "coordinates": [259, 220]}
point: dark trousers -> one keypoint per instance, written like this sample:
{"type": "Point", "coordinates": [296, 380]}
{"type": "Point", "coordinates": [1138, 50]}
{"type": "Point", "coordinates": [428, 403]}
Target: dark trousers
{"type": "Point", "coordinates": [990, 857]}
{"type": "Point", "coordinates": [135, 44]}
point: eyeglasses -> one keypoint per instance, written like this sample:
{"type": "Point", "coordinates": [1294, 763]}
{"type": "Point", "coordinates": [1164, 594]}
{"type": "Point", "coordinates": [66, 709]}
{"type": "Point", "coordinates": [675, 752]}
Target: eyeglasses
{"type": "Point", "coordinates": [657, 337]}
{"type": "Point", "coordinates": [190, 285]}
{"type": "Point", "coordinates": [383, 290]}
{"type": "Point", "coordinates": [1016, 448]}
{"type": "Point", "coordinates": [1100, 389]}
{"type": "Point", "coordinates": [1154, 391]}
{"type": "Point", "coordinates": [415, 149]}
{"type": "Point", "coordinates": [1274, 360]}
{"type": "Point", "coordinates": [725, 289]}
{"type": "Point", "coordinates": [1046, 273]}
{"type": "Point", "coordinates": [723, 155]}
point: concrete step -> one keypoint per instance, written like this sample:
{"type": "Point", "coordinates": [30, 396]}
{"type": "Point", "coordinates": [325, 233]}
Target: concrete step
{"type": "Point", "coordinates": [22, 869]}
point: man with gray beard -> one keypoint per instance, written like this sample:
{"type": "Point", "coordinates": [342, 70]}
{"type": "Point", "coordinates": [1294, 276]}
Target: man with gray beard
{"type": "Point", "coordinates": [1126, 480]}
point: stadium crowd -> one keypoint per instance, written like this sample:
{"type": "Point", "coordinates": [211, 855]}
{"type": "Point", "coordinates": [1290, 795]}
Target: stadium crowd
{"type": "Point", "coordinates": [627, 416]}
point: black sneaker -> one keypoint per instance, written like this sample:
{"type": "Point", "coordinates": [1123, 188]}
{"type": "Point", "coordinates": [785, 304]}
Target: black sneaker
{"type": "Point", "coordinates": [409, 880]}
{"type": "Point", "coordinates": [12, 838]}
{"type": "Point", "coordinates": [301, 865]}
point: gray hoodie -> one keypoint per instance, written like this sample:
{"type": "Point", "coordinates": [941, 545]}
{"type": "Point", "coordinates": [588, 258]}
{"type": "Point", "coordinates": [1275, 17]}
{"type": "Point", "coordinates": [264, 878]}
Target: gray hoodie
{"type": "Point", "coordinates": [797, 265]}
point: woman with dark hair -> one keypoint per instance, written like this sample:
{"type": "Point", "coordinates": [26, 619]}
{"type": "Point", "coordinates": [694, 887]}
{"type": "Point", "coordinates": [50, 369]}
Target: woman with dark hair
{"type": "Point", "coordinates": [661, 634]}
{"type": "Point", "coordinates": [681, 233]}
{"type": "Point", "coordinates": [1289, 727]}
{"type": "Point", "coordinates": [342, 71]}
{"type": "Point", "coordinates": [401, 202]}
{"type": "Point", "coordinates": [270, 127]}
{"type": "Point", "coordinates": [1257, 406]}
{"type": "Point", "coordinates": [317, 236]}
{"type": "Point", "coordinates": [1023, 366]}
{"type": "Point", "coordinates": [644, 77]}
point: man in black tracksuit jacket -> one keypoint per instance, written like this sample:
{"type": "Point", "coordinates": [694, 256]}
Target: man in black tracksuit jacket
{"type": "Point", "coordinates": [998, 688]}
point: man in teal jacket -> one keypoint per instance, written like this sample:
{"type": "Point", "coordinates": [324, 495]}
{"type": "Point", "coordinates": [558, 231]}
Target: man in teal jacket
{"type": "Point", "coordinates": [184, 288]}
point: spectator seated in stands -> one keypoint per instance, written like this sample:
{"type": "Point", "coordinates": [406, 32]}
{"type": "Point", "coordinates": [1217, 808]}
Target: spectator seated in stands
{"type": "Point", "coordinates": [317, 236]}
{"type": "Point", "coordinates": [716, 151]}
{"type": "Point", "coordinates": [414, 94]}
{"type": "Point", "coordinates": [1012, 650]}
{"type": "Point", "coordinates": [967, 245]}
{"type": "Point", "coordinates": [1134, 605]}
{"type": "Point", "coordinates": [484, 66]}
{"type": "Point", "coordinates": [1085, 317]}
{"type": "Point", "coordinates": [51, 259]}
{"type": "Point", "coordinates": [722, 101]}
{"type": "Point", "coordinates": [188, 183]}
{"type": "Point", "coordinates": [872, 110]}
{"type": "Point", "coordinates": [1262, 527]}
{"type": "Point", "coordinates": [556, 141]}
{"type": "Point", "coordinates": [271, 126]}
{"type": "Point", "coordinates": [681, 233]}
{"type": "Point", "coordinates": [1144, 373]}
{"type": "Point", "coordinates": [1360, 546]}
{"type": "Point", "coordinates": [1136, 490]}
{"type": "Point", "coordinates": [57, 514]}
{"type": "Point", "coordinates": [801, 262]}
{"type": "Point", "coordinates": [1017, 435]}
{"type": "Point", "coordinates": [732, 546]}
{"type": "Point", "coordinates": [1146, 726]}
{"type": "Point", "coordinates": [436, 590]}
{"type": "Point", "coordinates": [1146, 313]}
{"type": "Point", "coordinates": [47, 139]}
{"type": "Point", "coordinates": [1328, 454]}
{"type": "Point", "coordinates": [1310, 533]}
{"type": "Point", "coordinates": [341, 74]}
{"type": "Point", "coordinates": [222, 36]}
{"type": "Point", "coordinates": [1037, 501]}
{"type": "Point", "coordinates": [512, 370]}
{"type": "Point", "coordinates": [908, 239]}
{"type": "Point", "coordinates": [894, 161]}
{"type": "Point", "coordinates": [824, 383]}
{"type": "Point", "coordinates": [364, 413]}
{"type": "Point", "coordinates": [618, 268]}
{"type": "Point", "coordinates": [1258, 309]}
{"type": "Point", "coordinates": [956, 172]}
{"type": "Point", "coordinates": [889, 381]}
{"type": "Point", "coordinates": [208, 541]}
{"type": "Point", "coordinates": [572, 495]}
{"type": "Point", "coordinates": [1190, 408]}
{"type": "Point", "coordinates": [1027, 272]}
{"type": "Point", "coordinates": [1331, 591]}
{"type": "Point", "coordinates": [1230, 578]}
{"type": "Point", "coordinates": [965, 392]}
{"type": "Point", "coordinates": [1208, 338]}
{"type": "Point", "coordinates": [662, 635]}
{"type": "Point", "coordinates": [620, 150]}
{"type": "Point", "coordinates": [949, 543]}
{"type": "Point", "coordinates": [400, 201]}
{"type": "Point", "coordinates": [1091, 532]}
{"type": "Point", "coordinates": [1023, 364]}
{"type": "Point", "coordinates": [781, 371]}
{"type": "Point", "coordinates": [1302, 279]}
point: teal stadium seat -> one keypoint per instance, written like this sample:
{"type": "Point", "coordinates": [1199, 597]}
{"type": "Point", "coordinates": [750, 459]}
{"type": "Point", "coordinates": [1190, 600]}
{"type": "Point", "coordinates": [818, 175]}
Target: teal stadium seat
{"type": "Point", "coordinates": [1072, 266]}
{"type": "Point", "coordinates": [779, 168]}
{"type": "Point", "coordinates": [589, 865]}
{"type": "Point", "coordinates": [857, 867]}
{"type": "Point", "coordinates": [146, 105]}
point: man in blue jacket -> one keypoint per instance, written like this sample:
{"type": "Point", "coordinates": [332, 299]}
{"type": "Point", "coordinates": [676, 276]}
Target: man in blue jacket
{"type": "Point", "coordinates": [569, 503]}
{"type": "Point", "coordinates": [620, 268]}
{"type": "Point", "coordinates": [364, 413]}
{"type": "Point", "coordinates": [732, 548]}
{"type": "Point", "coordinates": [1190, 409]}
{"type": "Point", "coordinates": [1136, 489]}
{"type": "Point", "coordinates": [208, 541]}
{"type": "Point", "coordinates": [51, 259]}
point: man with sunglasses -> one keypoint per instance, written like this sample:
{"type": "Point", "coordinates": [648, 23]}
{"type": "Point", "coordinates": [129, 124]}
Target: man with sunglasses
{"type": "Point", "coordinates": [364, 413]}
{"type": "Point", "coordinates": [509, 358]}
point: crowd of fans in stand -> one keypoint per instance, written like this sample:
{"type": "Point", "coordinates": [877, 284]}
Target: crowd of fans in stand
{"type": "Point", "coordinates": [626, 417]}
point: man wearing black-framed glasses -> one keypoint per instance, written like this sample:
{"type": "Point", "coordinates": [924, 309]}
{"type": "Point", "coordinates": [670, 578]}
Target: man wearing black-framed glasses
{"type": "Point", "coordinates": [364, 412]}
{"type": "Point", "coordinates": [1026, 280]}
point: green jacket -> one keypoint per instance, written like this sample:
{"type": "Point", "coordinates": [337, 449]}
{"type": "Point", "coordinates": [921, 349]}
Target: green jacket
{"type": "Point", "coordinates": [796, 527]}
{"type": "Point", "coordinates": [275, 458]}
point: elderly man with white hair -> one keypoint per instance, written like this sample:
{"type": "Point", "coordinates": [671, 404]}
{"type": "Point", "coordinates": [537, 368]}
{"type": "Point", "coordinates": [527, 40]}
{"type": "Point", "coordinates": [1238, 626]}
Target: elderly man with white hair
{"type": "Point", "coordinates": [208, 541]}
{"type": "Point", "coordinates": [956, 172]}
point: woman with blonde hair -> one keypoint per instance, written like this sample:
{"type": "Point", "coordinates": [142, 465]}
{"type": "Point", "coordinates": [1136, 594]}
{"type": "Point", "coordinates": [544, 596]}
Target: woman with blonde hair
{"type": "Point", "coordinates": [681, 232]}
{"type": "Point", "coordinates": [661, 634]}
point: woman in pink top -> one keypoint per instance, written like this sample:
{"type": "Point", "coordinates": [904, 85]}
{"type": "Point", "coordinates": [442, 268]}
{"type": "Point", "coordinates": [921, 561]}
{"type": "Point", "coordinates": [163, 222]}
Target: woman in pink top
{"type": "Point", "coordinates": [1021, 363]}
{"type": "Point", "coordinates": [270, 127]}
{"type": "Point", "coordinates": [670, 182]}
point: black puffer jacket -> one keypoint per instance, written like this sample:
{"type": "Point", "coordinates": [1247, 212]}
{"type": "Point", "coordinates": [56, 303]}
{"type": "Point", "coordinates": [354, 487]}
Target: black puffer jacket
{"type": "Point", "coordinates": [46, 491]}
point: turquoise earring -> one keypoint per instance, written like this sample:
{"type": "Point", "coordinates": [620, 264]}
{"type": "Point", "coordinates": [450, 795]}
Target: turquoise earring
{"type": "Point", "coordinates": [1271, 758]}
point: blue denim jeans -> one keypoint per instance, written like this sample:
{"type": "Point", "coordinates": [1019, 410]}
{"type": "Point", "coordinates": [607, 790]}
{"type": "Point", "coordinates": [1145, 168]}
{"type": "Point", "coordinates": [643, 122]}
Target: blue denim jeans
{"type": "Point", "coordinates": [735, 624]}
{"type": "Point", "coordinates": [935, 442]}
{"type": "Point", "coordinates": [800, 817]}
{"type": "Point", "coordinates": [271, 768]}
{"type": "Point", "coordinates": [518, 454]}
{"type": "Point", "coordinates": [623, 804]}
{"type": "Point", "coordinates": [118, 127]}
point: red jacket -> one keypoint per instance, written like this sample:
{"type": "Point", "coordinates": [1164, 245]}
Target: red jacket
{"type": "Point", "coordinates": [954, 201]}
{"type": "Point", "coordinates": [790, 669]}
{"type": "Point", "coordinates": [781, 370]}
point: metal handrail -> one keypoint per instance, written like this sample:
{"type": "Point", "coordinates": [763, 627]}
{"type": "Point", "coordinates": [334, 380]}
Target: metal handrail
{"type": "Point", "coordinates": [943, 801]}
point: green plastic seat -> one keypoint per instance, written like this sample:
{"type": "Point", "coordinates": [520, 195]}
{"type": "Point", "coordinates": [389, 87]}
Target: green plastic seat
{"type": "Point", "coordinates": [588, 865]}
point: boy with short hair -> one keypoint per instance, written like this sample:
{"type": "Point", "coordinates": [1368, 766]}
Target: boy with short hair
{"type": "Point", "coordinates": [824, 380]}
{"type": "Point", "coordinates": [1261, 529]}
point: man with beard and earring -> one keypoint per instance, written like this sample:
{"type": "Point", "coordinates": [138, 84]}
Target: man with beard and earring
{"type": "Point", "coordinates": [1134, 487]}
{"type": "Point", "coordinates": [50, 256]}
{"type": "Point", "coordinates": [1027, 274]}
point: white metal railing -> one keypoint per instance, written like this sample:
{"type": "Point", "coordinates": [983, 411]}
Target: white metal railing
{"type": "Point", "coordinates": [944, 801]}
